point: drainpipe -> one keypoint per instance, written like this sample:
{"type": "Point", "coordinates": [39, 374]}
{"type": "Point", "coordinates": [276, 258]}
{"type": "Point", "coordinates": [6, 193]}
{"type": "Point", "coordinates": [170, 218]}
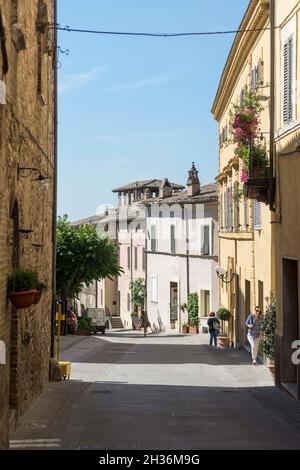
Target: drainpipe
{"type": "Point", "coordinates": [54, 210]}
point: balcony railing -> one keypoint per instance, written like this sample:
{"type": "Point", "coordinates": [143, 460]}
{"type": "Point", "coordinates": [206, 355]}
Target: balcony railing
{"type": "Point", "coordinates": [257, 185]}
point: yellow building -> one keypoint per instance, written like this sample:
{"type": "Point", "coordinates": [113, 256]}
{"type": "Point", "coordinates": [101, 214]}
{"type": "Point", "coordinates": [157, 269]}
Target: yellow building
{"type": "Point", "coordinates": [287, 171]}
{"type": "Point", "coordinates": [244, 215]}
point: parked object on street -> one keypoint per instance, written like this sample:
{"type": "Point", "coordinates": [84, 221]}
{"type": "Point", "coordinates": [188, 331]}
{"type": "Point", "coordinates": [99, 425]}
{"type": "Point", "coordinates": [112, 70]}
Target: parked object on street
{"type": "Point", "coordinates": [72, 322]}
{"type": "Point", "coordinates": [98, 319]}
{"type": "Point", "coordinates": [84, 327]}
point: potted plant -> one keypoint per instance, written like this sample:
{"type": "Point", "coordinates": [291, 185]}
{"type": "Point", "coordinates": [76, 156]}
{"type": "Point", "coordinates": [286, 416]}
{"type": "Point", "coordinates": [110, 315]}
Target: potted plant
{"type": "Point", "coordinates": [21, 287]}
{"type": "Point", "coordinates": [135, 321]}
{"type": "Point", "coordinates": [185, 328]}
{"type": "Point", "coordinates": [223, 339]}
{"type": "Point", "coordinates": [84, 326]}
{"type": "Point", "coordinates": [268, 326]}
{"type": "Point", "coordinates": [193, 312]}
{"type": "Point", "coordinates": [40, 288]}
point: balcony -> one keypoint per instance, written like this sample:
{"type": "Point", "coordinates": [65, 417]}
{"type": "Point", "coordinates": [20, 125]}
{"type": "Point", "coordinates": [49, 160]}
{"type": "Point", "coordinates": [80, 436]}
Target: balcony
{"type": "Point", "coordinates": [257, 182]}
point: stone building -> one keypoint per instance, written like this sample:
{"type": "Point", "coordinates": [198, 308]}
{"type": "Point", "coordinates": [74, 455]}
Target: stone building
{"type": "Point", "coordinates": [182, 252]}
{"type": "Point", "coordinates": [26, 197]}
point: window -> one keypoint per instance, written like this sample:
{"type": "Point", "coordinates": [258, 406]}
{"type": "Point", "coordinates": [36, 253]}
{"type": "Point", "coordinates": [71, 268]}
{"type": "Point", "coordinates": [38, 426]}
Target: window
{"type": "Point", "coordinates": [253, 81]}
{"type": "Point", "coordinates": [288, 85]}
{"type": "Point", "coordinates": [205, 240]}
{"type": "Point", "coordinates": [227, 209]}
{"type": "Point", "coordinates": [128, 257]}
{"type": "Point", "coordinates": [153, 289]}
{"type": "Point", "coordinates": [135, 257]}
{"type": "Point", "coordinates": [153, 238]}
{"type": "Point", "coordinates": [143, 259]}
{"type": "Point", "coordinates": [172, 239]}
{"type": "Point", "coordinates": [101, 297]}
{"type": "Point", "coordinates": [256, 215]}
{"type": "Point", "coordinates": [246, 224]}
{"type": "Point", "coordinates": [236, 218]}
{"type": "Point", "coordinates": [242, 95]}
{"type": "Point", "coordinates": [205, 302]}
{"type": "Point", "coordinates": [261, 295]}
{"type": "Point", "coordinates": [128, 302]}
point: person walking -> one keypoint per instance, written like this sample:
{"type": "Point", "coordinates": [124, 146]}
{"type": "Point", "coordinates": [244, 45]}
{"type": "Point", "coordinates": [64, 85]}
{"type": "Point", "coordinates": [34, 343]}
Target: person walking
{"type": "Point", "coordinates": [213, 327]}
{"type": "Point", "coordinates": [145, 324]}
{"type": "Point", "coordinates": [254, 334]}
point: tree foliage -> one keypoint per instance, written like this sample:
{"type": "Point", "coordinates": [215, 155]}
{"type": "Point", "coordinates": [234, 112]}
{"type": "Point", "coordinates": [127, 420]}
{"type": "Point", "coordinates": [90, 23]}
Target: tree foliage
{"type": "Point", "coordinates": [193, 309]}
{"type": "Point", "coordinates": [223, 314]}
{"type": "Point", "coordinates": [268, 327]}
{"type": "Point", "coordinates": [82, 257]}
{"type": "Point", "coordinates": [138, 288]}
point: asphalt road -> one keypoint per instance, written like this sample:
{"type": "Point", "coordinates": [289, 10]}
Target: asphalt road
{"type": "Point", "coordinates": [160, 392]}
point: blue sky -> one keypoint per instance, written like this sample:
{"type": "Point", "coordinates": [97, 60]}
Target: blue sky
{"type": "Point", "coordinates": [133, 108]}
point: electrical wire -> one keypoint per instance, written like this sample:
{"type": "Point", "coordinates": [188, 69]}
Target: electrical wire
{"type": "Point", "coordinates": [158, 35]}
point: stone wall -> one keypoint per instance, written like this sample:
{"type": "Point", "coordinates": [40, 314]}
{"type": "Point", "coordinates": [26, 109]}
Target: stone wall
{"type": "Point", "coordinates": [26, 139]}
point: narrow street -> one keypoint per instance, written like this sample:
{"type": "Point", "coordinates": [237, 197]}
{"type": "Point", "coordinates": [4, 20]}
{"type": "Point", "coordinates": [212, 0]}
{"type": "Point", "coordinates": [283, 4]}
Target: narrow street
{"type": "Point", "coordinates": [161, 392]}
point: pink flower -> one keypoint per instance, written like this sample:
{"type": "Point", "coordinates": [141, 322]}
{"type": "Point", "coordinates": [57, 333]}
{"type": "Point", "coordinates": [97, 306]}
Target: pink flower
{"type": "Point", "coordinates": [244, 176]}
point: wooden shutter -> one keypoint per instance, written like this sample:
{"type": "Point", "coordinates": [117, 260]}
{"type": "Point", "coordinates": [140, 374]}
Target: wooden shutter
{"type": "Point", "coordinates": [259, 72]}
{"type": "Point", "coordinates": [288, 70]}
{"type": "Point", "coordinates": [135, 257]}
{"type": "Point", "coordinates": [172, 238]}
{"type": "Point", "coordinates": [253, 78]}
{"type": "Point", "coordinates": [256, 215]}
{"type": "Point", "coordinates": [205, 240]}
{"type": "Point", "coordinates": [246, 225]}
{"type": "Point", "coordinates": [153, 237]}
{"type": "Point", "coordinates": [229, 211]}
{"type": "Point", "coordinates": [128, 257]}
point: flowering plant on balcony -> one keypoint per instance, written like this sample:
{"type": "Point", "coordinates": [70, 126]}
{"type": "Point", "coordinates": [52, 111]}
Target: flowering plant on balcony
{"type": "Point", "coordinates": [245, 120]}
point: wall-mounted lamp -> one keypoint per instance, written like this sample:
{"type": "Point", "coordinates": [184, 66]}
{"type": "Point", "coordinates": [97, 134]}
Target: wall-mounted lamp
{"type": "Point", "coordinates": [21, 233]}
{"type": "Point", "coordinates": [224, 275]}
{"type": "Point", "coordinates": [25, 172]}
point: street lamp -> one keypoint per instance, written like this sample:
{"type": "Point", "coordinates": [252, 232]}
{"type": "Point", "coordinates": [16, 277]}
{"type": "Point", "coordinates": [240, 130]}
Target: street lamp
{"type": "Point", "coordinates": [25, 172]}
{"type": "Point", "coordinates": [224, 275]}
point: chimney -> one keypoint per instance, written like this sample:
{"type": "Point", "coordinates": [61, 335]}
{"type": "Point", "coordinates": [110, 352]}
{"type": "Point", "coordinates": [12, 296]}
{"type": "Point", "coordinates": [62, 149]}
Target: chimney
{"type": "Point", "coordinates": [165, 189]}
{"type": "Point", "coordinates": [193, 182]}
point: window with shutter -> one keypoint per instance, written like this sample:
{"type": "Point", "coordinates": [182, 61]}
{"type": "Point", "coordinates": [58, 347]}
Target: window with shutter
{"type": "Point", "coordinates": [229, 209]}
{"type": "Point", "coordinates": [246, 225]}
{"type": "Point", "coordinates": [259, 72]}
{"type": "Point", "coordinates": [253, 78]}
{"type": "Point", "coordinates": [205, 240]}
{"type": "Point", "coordinates": [135, 257]}
{"type": "Point", "coordinates": [128, 302]}
{"type": "Point", "coordinates": [172, 239]}
{"type": "Point", "coordinates": [236, 206]}
{"type": "Point", "coordinates": [153, 237]}
{"type": "Point", "coordinates": [128, 257]}
{"type": "Point", "coordinates": [154, 289]}
{"type": "Point", "coordinates": [256, 215]}
{"type": "Point", "coordinates": [288, 85]}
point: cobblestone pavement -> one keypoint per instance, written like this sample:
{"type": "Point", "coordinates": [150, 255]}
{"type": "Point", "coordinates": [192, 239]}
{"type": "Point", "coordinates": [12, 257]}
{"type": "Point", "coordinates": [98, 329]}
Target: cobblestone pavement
{"type": "Point", "coordinates": [159, 392]}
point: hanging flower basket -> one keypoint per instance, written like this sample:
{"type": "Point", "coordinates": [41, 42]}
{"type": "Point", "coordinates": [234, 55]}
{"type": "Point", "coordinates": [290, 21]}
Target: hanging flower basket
{"type": "Point", "coordinates": [23, 299]}
{"type": "Point", "coordinates": [37, 297]}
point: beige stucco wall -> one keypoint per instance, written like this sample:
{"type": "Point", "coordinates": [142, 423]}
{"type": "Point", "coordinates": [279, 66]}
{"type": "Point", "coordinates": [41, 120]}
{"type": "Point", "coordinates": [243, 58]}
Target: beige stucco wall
{"type": "Point", "coordinates": [243, 250]}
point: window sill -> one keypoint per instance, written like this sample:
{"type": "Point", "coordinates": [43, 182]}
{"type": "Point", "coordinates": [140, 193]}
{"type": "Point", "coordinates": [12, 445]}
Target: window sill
{"type": "Point", "coordinates": [245, 235]}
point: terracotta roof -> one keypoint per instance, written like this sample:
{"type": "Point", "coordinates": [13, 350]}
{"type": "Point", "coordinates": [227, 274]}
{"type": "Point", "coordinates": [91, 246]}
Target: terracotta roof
{"type": "Point", "coordinates": [208, 193]}
{"type": "Point", "coordinates": [143, 184]}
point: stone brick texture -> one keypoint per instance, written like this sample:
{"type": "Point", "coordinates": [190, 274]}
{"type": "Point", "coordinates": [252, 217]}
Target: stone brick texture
{"type": "Point", "coordinates": [26, 139]}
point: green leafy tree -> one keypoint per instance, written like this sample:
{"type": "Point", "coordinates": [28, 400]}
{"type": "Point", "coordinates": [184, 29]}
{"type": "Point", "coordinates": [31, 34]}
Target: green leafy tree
{"type": "Point", "coordinates": [82, 257]}
{"type": "Point", "coordinates": [268, 327]}
{"type": "Point", "coordinates": [138, 288]}
{"type": "Point", "coordinates": [193, 309]}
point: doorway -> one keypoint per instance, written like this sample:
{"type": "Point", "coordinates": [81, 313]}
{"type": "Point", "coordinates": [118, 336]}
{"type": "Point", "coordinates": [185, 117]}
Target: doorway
{"type": "Point", "coordinates": [173, 305]}
{"type": "Point", "coordinates": [290, 323]}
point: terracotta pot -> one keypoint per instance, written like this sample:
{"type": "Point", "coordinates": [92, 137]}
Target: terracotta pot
{"type": "Point", "coordinates": [272, 370]}
{"type": "Point", "coordinates": [37, 297]}
{"type": "Point", "coordinates": [185, 329]}
{"type": "Point", "coordinates": [193, 329]}
{"type": "Point", "coordinates": [83, 332]}
{"type": "Point", "coordinates": [22, 299]}
{"type": "Point", "coordinates": [223, 342]}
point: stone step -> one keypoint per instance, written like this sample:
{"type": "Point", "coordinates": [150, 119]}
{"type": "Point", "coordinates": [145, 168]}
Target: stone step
{"type": "Point", "coordinates": [116, 322]}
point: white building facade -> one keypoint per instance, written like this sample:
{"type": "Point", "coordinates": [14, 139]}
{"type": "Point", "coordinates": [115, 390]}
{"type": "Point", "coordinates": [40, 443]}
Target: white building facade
{"type": "Point", "coordinates": [182, 253]}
